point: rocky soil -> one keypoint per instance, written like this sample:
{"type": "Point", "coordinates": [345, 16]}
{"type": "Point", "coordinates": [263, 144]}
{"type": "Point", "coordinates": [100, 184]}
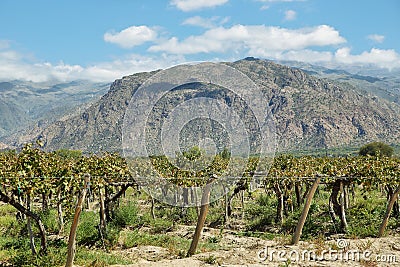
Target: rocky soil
{"type": "Point", "coordinates": [249, 251]}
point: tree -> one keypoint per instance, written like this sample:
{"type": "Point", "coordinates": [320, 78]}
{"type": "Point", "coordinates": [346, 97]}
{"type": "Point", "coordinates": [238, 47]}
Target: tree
{"type": "Point", "coordinates": [375, 149]}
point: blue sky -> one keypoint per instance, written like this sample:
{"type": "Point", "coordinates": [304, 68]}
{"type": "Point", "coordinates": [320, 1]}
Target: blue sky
{"type": "Point", "coordinates": [103, 40]}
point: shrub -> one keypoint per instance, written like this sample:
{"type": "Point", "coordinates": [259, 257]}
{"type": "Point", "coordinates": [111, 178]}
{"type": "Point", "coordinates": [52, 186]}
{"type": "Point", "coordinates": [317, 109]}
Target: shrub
{"type": "Point", "coordinates": [87, 233]}
{"type": "Point", "coordinates": [49, 219]}
{"type": "Point", "coordinates": [127, 215]}
{"type": "Point", "coordinates": [159, 226]}
{"type": "Point", "coordinates": [376, 149]}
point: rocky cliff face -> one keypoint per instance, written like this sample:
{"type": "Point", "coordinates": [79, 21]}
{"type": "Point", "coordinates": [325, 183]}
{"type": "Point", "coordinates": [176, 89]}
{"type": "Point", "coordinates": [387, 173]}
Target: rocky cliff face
{"type": "Point", "coordinates": [98, 128]}
{"type": "Point", "coordinates": [318, 113]}
{"type": "Point", "coordinates": [309, 112]}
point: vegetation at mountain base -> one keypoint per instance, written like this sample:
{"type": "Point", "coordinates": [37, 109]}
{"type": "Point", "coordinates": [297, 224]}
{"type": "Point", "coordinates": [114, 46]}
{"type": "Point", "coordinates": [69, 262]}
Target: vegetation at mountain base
{"type": "Point", "coordinates": [376, 149]}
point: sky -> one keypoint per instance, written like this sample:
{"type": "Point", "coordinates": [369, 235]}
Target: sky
{"type": "Point", "coordinates": [102, 40]}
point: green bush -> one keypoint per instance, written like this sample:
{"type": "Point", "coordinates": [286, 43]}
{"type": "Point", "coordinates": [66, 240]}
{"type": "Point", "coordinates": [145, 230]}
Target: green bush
{"type": "Point", "coordinates": [127, 215]}
{"type": "Point", "coordinates": [159, 226]}
{"type": "Point", "coordinates": [98, 258]}
{"type": "Point", "coordinates": [177, 214]}
{"type": "Point", "coordinates": [136, 238]}
{"type": "Point", "coordinates": [49, 219]}
{"type": "Point", "coordinates": [111, 236]}
{"type": "Point", "coordinates": [87, 232]}
{"type": "Point", "coordinates": [260, 213]}
{"type": "Point", "coordinates": [376, 149]}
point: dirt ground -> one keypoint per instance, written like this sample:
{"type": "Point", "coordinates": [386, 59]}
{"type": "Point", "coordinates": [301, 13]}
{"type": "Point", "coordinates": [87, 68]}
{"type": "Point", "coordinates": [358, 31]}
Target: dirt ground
{"type": "Point", "coordinates": [249, 251]}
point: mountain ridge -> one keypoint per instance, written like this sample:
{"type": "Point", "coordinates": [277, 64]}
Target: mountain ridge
{"type": "Point", "coordinates": [310, 112]}
{"type": "Point", "coordinates": [24, 103]}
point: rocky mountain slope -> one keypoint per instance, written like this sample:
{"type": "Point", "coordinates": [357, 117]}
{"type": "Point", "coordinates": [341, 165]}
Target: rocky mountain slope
{"type": "Point", "coordinates": [25, 103]}
{"type": "Point", "coordinates": [310, 112]}
{"type": "Point", "coordinates": [380, 82]}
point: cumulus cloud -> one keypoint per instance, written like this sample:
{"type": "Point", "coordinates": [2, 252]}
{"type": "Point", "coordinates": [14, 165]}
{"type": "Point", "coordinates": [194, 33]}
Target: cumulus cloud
{"type": "Point", "coordinates": [205, 22]}
{"type": "Point", "coordinates": [18, 69]}
{"type": "Point", "coordinates": [290, 15]}
{"type": "Point", "coordinates": [130, 64]}
{"type": "Point", "coordinates": [132, 36]}
{"type": "Point", "coordinates": [379, 57]}
{"type": "Point", "coordinates": [258, 40]}
{"type": "Point", "coordinates": [16, 66]}
{"type": "Point", "coordinates": [190, 5]}
{"type": "Point", "coordinates": [307, 55]}
{"type": "Point", "coordinates": [376, 38]}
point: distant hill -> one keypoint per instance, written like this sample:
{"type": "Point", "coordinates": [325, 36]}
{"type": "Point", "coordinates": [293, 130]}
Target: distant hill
{"type": "Point", "coordinates": [11, 118]}
{"type": "Point", "coordinates": [379, 82]}
{"type": "Point", "coordinates": [25, 103]}
{"type": "Point", "coordinates": [310, 112]}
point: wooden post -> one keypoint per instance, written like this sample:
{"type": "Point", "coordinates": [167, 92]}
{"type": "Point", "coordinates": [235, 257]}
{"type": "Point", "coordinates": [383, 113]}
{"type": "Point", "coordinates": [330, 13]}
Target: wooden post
{"type": "Point", "coordinates": [303, 217]}
{"type": "Point", "coordinates": [205, 199]}
{"type": "Point", "coordinates": [74, 226]}
{"type": "Point", "coordinates": [389, 208]}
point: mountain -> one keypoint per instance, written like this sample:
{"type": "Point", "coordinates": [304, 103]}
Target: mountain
{"type": "Point", "coordinates": [12, 116]}
{"type": "Point", "coordinates": [25, 103]}
{"type": "Point", "coordinates": [380, 82]}
{"type": "Point", "coordinates": [310, 112]}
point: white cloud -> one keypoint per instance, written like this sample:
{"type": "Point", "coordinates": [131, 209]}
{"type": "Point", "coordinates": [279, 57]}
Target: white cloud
{"type": "Point", "coordinates": [130, 64]}
{"type": "Point", "coordinates": [379, 57]}
{"type": "Point", "coordinates": [132, 36]}
{"type": "Point", "coordinates": [290, 15]}
{"type": "Point", "coordinates": [4, 44]}
{"type": "Point", "coordinates": [190, 5]}
{"type": "Point", "coordinates": [16, 66]}
{"type": "Point", "coordinates": [264, 7]}
{"type": "Point", "coordinates": [258, 40]}
{"type": "Point", "coordinates": [9, 56]}
{"type": "Point", "coordinates": [376, 37]}
{"type": "Point", "coordinates": [205, 22]}
{"type": "Point", "coordinates": [306, 55]}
